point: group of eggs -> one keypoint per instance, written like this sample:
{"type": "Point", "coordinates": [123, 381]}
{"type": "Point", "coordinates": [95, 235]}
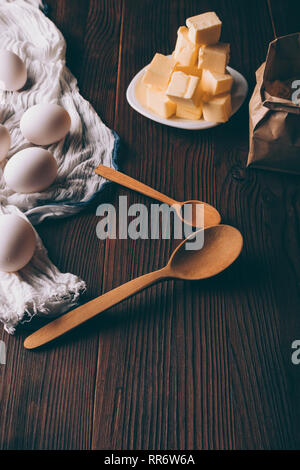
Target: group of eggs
{"type": "Point", "coordinates": [30, 170]}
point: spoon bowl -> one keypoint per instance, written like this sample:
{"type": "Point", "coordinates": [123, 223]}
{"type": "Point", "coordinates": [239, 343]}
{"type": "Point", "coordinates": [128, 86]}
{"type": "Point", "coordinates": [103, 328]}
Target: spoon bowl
{"type": "Point", "coordinates": [218, 247]}
{"type": "Point", "coordinates": [197, 214]}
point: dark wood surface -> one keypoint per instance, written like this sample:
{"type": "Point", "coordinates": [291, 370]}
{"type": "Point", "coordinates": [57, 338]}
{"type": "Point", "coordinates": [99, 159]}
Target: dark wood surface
{"type": "Point", "coordinates": [182, 365]}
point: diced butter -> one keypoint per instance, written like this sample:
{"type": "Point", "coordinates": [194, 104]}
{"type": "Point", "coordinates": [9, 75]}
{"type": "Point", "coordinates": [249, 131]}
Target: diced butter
{"type": "Point", "coordinates": [214, 57]}
{"type": "Point", "coordinates": [159, 71]}
{"type": "Point", "coordinates": [141, 93]}
{"type": "Point", "coordinates": [185, 52]}
{"type": "Point", "coordinates": [216, 83]}
{"type": "Point", "coordinates": [204, 29]}
{"type": "Point", "coordinates": [158, 102]}
{"type": "Point", "coordinates": [189, 112]}
{"type": "Point", "coordinates": [218, 109]}
{"type": "Point", "coordinates": [188, 70]}
{"type": "Point", "coordinates": [184, 89]}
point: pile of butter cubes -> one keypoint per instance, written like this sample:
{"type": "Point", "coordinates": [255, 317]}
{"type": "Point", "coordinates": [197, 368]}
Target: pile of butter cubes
{"type": "Point", "coordinates": [193, 82]}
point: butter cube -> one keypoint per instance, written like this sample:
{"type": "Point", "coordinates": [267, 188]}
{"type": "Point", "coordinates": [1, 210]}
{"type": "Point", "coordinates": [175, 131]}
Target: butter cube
{"type": "Point", "coordinates": [216, 83]}
{"type": "Point", "coordinates": [184, 89]}
{"type": "Point", "coordinates": [189, 70]}
{"type": "Point", "coordinates": [185, 52]}
{"type": "Point", "coordinates": [217, 109]}
{"type": "Point", "coordinates": [159, 71]}
{"type": "Point", "coordinates": [205, 28]}
{"type": "Point", "coordinates": [214, 57]}
{"type": "Point", "coordinates": [189, 112]}
{"type": "Point", "coordinates": [158, 102]}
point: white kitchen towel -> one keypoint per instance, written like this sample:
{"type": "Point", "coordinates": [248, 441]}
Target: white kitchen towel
{"type": "Point", "coordinates": [26, 30]}
{"type": "Point", "coordinates": [37, 289]}
{"type": "Point", "coordinates": [40, 289]}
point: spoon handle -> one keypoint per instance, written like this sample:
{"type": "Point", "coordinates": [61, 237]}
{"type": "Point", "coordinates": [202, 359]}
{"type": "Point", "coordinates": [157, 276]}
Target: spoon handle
{"type": "Point", "coordinates": [80, 315]}
{"type": "Point", "coordinates": [131, 183]}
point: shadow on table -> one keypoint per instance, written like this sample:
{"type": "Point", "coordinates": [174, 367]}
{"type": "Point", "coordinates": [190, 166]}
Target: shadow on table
{"type": "Point", "coordinates": [244, 275]}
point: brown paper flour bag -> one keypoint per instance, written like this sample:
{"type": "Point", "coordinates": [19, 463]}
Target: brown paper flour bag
{"type": "Point", "coordinates": [274, 111]}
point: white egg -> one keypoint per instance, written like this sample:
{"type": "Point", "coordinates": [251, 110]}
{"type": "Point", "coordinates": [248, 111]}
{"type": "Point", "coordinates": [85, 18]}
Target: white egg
{"type": "Point", "coordinates": [13, 73]}
{"type": "Point", "coordinates": [30, 171]}
{"type": "Point", "coordinates": [17, 242]}
{"type": "Point", "coordinates": [5, 142]}
{"type": "Point", "coordinates": [45, 124]}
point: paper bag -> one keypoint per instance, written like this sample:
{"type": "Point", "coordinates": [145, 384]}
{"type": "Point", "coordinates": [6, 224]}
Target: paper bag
{"type": "Point", "coordinates": [274, 109]}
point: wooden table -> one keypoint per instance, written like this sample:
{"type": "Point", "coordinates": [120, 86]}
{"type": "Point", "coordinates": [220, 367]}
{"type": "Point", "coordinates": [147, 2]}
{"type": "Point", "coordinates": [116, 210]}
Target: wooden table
{"type": "Point", "coordinates": [182, 365]}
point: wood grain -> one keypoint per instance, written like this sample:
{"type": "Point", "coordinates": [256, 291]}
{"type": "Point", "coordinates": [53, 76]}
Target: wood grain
{"type": "Point", "coordinates": [182, 365]}
{"type": "Point", "coordinates": [223, 245]}
{"type": "Point", "coordinates": [47, 398]}
{"type": "Point", "coordinates": [285, 16]}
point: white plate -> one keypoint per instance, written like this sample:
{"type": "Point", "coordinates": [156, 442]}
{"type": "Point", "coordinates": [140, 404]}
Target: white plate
{"type": "Point", "coordinates": [238, 94]}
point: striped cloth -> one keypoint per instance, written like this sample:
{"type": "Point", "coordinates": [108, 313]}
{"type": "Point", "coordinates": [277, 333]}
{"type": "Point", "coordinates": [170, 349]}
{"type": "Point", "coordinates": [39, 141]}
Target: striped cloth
{"type": "Point", "coordinates": [39, 288]}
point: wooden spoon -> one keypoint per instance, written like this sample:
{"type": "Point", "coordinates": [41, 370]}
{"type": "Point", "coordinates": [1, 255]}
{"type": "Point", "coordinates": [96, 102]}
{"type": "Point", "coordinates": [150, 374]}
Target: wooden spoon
{"type": "Point", "coordinates": [222, 245]}
{"type": "Point", "coordinates": [211, 215]}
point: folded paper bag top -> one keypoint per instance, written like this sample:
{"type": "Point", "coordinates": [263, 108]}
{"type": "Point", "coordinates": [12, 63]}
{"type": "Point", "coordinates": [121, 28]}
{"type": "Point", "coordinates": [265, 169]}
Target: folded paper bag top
{"type": "Point", "coordinates": [274, 113]}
